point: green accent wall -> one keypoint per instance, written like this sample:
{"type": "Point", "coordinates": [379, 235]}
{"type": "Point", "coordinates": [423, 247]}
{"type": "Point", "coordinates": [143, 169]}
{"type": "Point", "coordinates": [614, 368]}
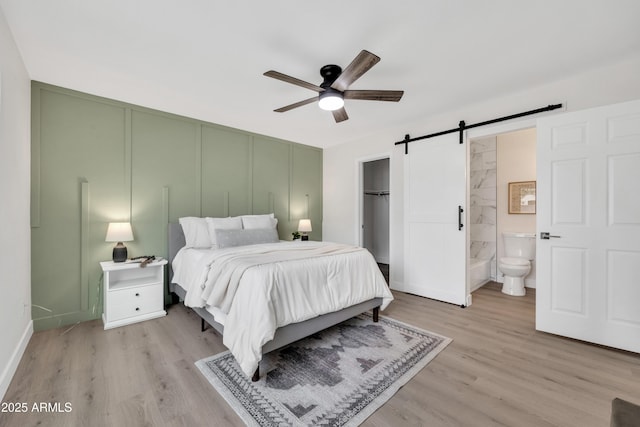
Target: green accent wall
{"type": "Point", "coordinates": [96, 160]}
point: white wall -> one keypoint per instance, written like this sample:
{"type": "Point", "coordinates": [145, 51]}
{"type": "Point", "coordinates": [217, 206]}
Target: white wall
{"type": "Point", "coordinates": [15, 241]}
{"type": "Point", "coordinates": [516, 154]}
{"type": "Point", "coordinates": [608, 84]}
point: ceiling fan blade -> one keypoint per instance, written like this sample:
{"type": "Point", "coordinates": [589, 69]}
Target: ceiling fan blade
{"type": "Point", "coordinates": [360, 65]}
{"type": "Point", "coordinates": [296, 105]}
{"type": "Point", "coordinates": [374, 95]}
{"type": "Point", "coordinates": [279, 76]}
{"type": "Point", "coordinates": [340, 115]}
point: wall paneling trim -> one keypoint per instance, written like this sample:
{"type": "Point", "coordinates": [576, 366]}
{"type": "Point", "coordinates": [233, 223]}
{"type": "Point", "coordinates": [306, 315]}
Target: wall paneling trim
{"type": "Point", "coordinates": [96, 160]}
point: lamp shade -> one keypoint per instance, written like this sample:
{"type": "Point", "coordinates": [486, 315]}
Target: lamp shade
{"type": "Point", "coordinates": [304, 226]}
{"type": "Point", "coordinates": [119, 232]}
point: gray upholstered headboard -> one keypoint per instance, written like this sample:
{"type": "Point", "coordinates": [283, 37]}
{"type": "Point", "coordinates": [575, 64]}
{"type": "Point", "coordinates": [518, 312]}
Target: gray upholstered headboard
{"type": "Point", "coordinates": [176, 239]}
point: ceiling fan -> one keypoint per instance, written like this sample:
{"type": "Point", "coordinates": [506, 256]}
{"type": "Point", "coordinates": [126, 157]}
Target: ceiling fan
{"type": "Point", "coordinates": [335, 88]}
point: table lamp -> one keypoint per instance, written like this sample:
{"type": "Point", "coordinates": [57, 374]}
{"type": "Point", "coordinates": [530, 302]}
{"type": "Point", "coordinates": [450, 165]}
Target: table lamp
{"type": "Point", "coordinates": [304, 227]}
{"type": "Point", "coordinates": [119, 232]}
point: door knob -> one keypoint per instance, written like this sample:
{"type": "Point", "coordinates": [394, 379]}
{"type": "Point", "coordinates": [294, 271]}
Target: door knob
{"type": "Point", "coordinates": [546, 236]}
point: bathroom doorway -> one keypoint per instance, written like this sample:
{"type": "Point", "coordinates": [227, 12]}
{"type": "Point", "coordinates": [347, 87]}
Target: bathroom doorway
{"type": "Point", "coordinates": [375, 202]}
{"type": "Point", "coordinates": [494, 162]}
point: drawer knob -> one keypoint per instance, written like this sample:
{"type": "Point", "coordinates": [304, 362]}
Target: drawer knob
{"type": "Point", "coordinates": [137, 294]}
{"type": "Point", "coordinates": [137, 308]}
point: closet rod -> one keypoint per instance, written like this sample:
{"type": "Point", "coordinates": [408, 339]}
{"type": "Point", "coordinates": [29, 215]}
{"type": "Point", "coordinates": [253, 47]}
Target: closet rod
{"type": "Point", "coordinates": [462, 126]}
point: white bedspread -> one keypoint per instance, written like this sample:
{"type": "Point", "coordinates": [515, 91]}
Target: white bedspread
{"type": "Point", "coordinates": [263, 287]}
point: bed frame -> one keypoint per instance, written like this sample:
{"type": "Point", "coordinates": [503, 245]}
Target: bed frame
{"type": "Point", "coordinates": [284, 335]}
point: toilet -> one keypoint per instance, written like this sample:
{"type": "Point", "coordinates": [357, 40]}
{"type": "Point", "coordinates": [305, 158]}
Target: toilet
{"type": "Point", "coordinates": [519, 251]}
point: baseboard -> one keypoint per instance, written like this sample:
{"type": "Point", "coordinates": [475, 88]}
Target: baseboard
{"type": "Point", "coordinates": [396, 285]}
{"type": "Point", "coordinates": [14, 361]}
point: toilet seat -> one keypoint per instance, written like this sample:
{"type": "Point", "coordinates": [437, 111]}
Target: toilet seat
{"type": "Point", "coordinates": [515, 261]}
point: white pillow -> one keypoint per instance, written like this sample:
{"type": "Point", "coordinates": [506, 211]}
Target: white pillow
{"type": "Point", "coordinates": [229, 223]}
{"type": "Point", "coordinates": [196, 234]}
{"type": "Point", "coordinates": [250, 222]}
{"type": "Point", "coordinates": [231, 238]}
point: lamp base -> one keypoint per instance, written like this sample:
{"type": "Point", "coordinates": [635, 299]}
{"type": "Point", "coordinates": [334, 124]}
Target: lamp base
{"type": "Point", "coordinates": [119, 253]}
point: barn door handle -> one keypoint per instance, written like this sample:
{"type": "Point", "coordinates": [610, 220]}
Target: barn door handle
{"type": "Point", "coordinates": [460, 210]}
{"type": "Point", "coordinates": [546, 236]}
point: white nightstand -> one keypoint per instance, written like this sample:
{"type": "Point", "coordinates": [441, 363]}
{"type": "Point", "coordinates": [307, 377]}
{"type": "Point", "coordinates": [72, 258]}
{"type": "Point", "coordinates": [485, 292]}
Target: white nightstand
{"type": "Point", "coordinates": [132, 293]}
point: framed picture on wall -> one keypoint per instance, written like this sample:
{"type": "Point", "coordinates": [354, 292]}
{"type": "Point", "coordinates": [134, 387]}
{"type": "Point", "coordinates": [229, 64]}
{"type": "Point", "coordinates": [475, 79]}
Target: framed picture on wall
{"type": "Point", "coordinates": [522, 197]}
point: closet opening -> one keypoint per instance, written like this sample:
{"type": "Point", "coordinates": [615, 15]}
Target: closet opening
{"type": "Point", "coordinates": [374, 219]}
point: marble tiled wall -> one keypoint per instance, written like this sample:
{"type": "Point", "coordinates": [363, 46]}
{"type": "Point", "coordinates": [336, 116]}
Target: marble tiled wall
{"type": "Point", "coordinates": [483, 201]}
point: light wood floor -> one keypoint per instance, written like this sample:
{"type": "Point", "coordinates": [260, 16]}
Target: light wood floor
{"type": "Point", "coordinates": [497, 372]}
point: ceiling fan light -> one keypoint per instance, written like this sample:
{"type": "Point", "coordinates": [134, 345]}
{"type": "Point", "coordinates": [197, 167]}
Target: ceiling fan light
{"type": "Point", "coordinates": [330, 100]}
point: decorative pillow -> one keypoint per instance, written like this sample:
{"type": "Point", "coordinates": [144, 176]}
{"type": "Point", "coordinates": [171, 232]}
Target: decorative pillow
{"type": "Point", "coordinates": [250, 222]}
{"type": "Point", "coordinates": [229, 223]}
{"type": "Point", "coordinates": [231, 238]}
{"type": "Point", "coordinates": [195, 231]}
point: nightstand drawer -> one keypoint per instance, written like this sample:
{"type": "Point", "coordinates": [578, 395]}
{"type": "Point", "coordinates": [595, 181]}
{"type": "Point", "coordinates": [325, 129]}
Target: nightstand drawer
{"type": "Point", "coordinates": [135, 302]}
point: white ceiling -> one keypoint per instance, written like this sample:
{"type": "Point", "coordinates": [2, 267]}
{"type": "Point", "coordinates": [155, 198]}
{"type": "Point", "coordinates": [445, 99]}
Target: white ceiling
{"type": "Point", "coordinates": [205, 58]}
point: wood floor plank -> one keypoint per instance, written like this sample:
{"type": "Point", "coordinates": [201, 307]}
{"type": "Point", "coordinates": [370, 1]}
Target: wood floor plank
{"type": "Point", "coordinates": [498, 371]}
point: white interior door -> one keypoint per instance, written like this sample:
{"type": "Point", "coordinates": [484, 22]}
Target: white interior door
{"type": "Point", "coordinates": [435, 188]}
{"type": "Point", "coordinates": [588, 171]}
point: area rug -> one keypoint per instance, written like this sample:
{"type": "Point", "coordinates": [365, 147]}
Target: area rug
{"type": "Point", "coordinates": [337, 377]}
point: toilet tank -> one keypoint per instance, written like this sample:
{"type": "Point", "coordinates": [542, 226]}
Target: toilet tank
{"type": "Point", "coordinates": [519, 245]}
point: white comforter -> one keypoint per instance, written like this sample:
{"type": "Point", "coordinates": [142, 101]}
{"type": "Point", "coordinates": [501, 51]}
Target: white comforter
{"type": "Point", "coordinates": [263, 287]}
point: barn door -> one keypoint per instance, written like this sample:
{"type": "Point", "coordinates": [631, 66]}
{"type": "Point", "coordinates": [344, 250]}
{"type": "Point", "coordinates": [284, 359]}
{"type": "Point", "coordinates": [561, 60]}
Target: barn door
{"type": "Point", "coordinates": [588, 260]}
{"type": "Point", "coordinates": [435, 237]}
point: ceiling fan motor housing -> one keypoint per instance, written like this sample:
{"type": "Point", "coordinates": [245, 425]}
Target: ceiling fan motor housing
{"type": "Point", "coordinates": [329, 73]}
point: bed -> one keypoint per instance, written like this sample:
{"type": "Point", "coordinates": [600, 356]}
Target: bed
{"type": "Point", "coordinates": [269, 304]}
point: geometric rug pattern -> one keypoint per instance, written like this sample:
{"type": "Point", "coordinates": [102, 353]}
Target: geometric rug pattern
{"type": "Point", "coordinates": [337, 377]}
